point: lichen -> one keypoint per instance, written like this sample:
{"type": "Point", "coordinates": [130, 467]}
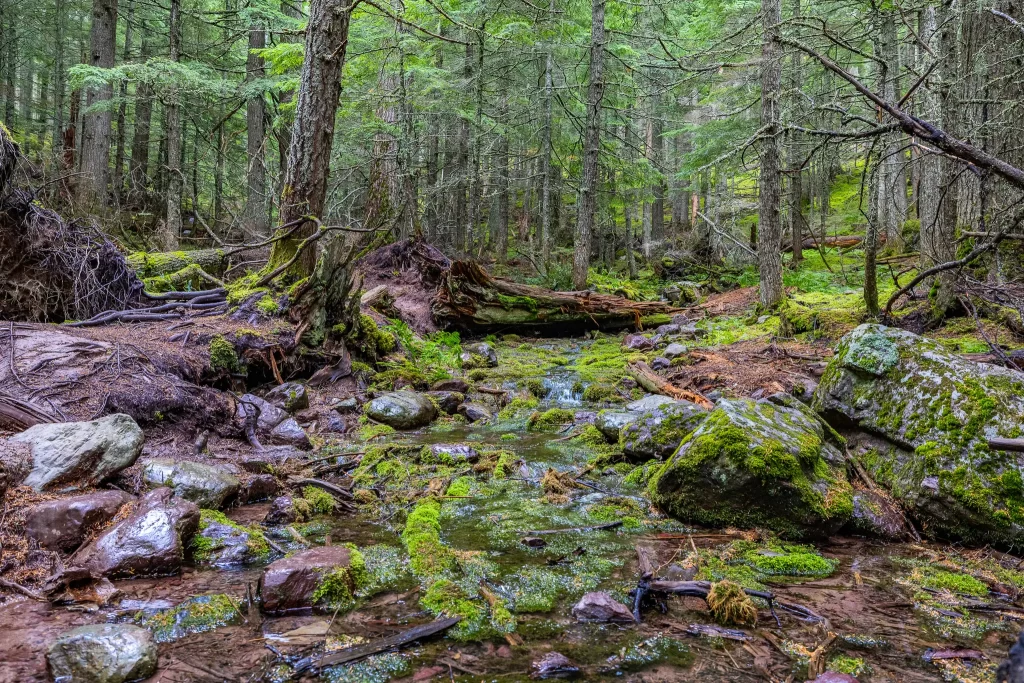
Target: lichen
{"type": "Point", "coordinates": [204, 548]}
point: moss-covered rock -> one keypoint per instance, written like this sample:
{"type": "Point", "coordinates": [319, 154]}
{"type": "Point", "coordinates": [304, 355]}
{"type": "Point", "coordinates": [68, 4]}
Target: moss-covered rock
{"type": "Point", "coordinates": [658, 433]}
{"type": "Point", "coordinates": [195, 615]}
{"type": "Point", "coordinates": [757, 464]}
{"type": "Point", "coordinates": [221, 541]}
{"type": "Point", "coordinates": [934, 412]}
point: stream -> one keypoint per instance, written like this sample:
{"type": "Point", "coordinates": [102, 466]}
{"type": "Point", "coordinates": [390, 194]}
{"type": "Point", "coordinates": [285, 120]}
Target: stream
{"type": "Point", "coordinates": [881, 600]}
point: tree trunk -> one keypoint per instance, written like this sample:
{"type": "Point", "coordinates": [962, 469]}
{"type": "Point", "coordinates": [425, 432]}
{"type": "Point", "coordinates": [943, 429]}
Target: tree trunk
{"type": "Point", "coordinates": [96, 126]}
{"type": "Point", "coordinates": [769, 221]}
{"type": "Point", "coordinates": [59, 76]}
{"type": "Point", "coordinates": [312, 138]}
{"type": "Point", "coordinates": [591, 149]}
{"type": "Point", "coordinates": [383, 193]}
{"type": "Point", "coordinates": [500, 222]}
{"type": "Point", "coordinates": [797, 219]}
{"type": "Point", "coordinates": [117, 183]}
{"type": "Point", "coordinates": [476, 179]}
{"type": "Point", "coordinates": [546, 137]}
{"type": "Point", "coordinates": [175, 180]}
{"type": "Point", "coordinates": [138, 167]}
{"type": "Point", "coordinates": [10, 48]}
{"type": "Point", "coordinates": [25, 102]}
{"type": "Point", "coordinates": [892, 181]}
{"type": "Point", "coordinates": [255, 214]}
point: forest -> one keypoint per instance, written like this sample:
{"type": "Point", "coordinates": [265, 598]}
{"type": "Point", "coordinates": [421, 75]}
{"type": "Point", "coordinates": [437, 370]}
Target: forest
{"type": "Point", "coordinates": [507, 340]}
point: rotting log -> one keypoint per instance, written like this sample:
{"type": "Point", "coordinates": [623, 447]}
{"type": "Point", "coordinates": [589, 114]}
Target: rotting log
{"type": "Point", "coordinates": [157, 263]}
{"type": "Point", "coordinates": [470, 299]}
{"type": "Point", "coordinates": [18, 415]}
{"type": "Point", "coordinates": [652, 382]}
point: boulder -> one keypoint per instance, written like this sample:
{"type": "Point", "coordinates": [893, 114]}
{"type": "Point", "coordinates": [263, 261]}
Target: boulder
{"type": "Point", "coordinates": [457, 385]}
{"type": "Point", "coordinates": [599, 607]}
{"type": "Point", "coordinates": [611, 422]}
{"type": "Point", "coordinates": [666, 330]}
{"type": "Point", "coordinates": [290, 583]}
{"type": "Point", "coordinates": [657, 434]}
{"type": "Point", "coordinates": [479, 355]}
{"type": "Point", "coordinates": [758, 464]}
{"type": "Point", "coordinates": [347, 405]}
{"type": "Point", "coordinates": [88, 452]}
{"type": "Point", "coordinates": [691, 331]}
{"type": "Point", "coordinates": [290, 397]}
{"type": "Point", "coordinates": [221, 542]}
{"type": "Point", "coordinates": [450, 453]}
{"type": "Point", "coordinates": [553, 665]}
{"type": "Point", "coordinates": [289, 433]}
{"type": "Point", "coordinates": [475, 411]}
{"type": "Point", "coordinates": [930, 414]}
{"type": "Point", "coordinates": [270, 415]}
{"type": "Point", "coordinates": [448, 401]}
{"type": "Point", "coordinates": [63, 524]}
{"type": "Point", "coordinates": [196, 615]}
{"type": "Point", "coordinates": [103, 653]}
{"type": "Point", "coordinates": [206, 486]}
{"type": "Point", "coordinates": [284, 511]}
{"type": "Point", "coordinates": [661, 363]}
{"type": "Point", "coordinates": [637, 342]}
{"type": "Point", "coordinates": [402, 410]}
{"type": "Point", "coordinates": [649, 403]}
{"type": "Point", "coordinates": [876, 515]}
{"type": "Point", "coordinates": [674, 350]}
{"type": "Point", "coordinates": [259, 487]}
{"type": "Point", "coordinates": [1011, 669]}
{"type": "Point", "coordinates": [150, 541]}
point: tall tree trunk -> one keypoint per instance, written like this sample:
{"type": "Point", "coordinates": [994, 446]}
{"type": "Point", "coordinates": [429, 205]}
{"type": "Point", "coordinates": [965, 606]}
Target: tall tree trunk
{"type": "Point", "coordinates": [546, 144]}
{"type": "Point", "coordinates": [10, 48]}
{"type": "Point", "coordinates": [432, 162]}
{"type": "Point", "coordinates": [892, 182]}
{"type": "Point", "coordinates": [255, 214]}
{"type": "Point", "coordinates": [96, 125]}
{"type": "Point", "coordinates": [138, 167]}
{"type": "Point", "coordinates": [591, 149]}
{"type": "Point", "coordinates": [769, 220]}
{"type": "Point", "coordinates": [476, 178]}
{"type": "Point", "coordinates": [175, 180]}
{"type": "Point", "coordinates": [384, 194]}
{"type": "Point", "coordinates": [462, 162]}
{"type": "Point", "coordinates": [655, 155]}
{"type": "Point", "coordinates": [122, 109]}
{"type": "Point", "coordinates": [500, 222]}
{"type": "Point", "coordinates": [283, 133]}
{"type": "Point", "coordinates": [25, 102]}
{"type": "Point", "coordinates": [312, 138]}
{"type": "Point", "coordinates": [59, 77]}
{"type": "Point", "coordinates": [797, 219]}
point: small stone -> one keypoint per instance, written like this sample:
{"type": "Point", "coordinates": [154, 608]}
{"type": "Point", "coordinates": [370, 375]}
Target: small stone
{"type": "Point", "coordinates": [554, 665]}
{"type": "Point", "coordinates": [448, 401]}
{"type": "Point", "coordinates": [637, 342]}
{"type": "Point", "coordinates": [661, 363]}
{"type": "Point", "coordinates": [63, 524]}
{"type": "Point", "coordinates": [206, 486]}
{"type": "Point", "coordinates": [103, 653]}
{"type": "Point", "coordinates": [449, 453]}
{"type": "Point", "coordinates": [260, 487]}
{"type": "Point", "coordinates": [680, 319]}
{"type": "Point", "coordinates": [475, 412]}
{"type": "Point", "coordinates": [289, 433]}
{"type": "Point", "coordinates": [289, 583]}
{"type": "Point", "coordinates": [290, 397]}
{"type": "Point", "coordinates": [196, 615]}
{"type": "Point", "coordinates": [600, 607]}
{"type": "Point", "coordinates": [479, 355]}
{"type": "Point", "coordinates": [761, 320]}
{"type": "Point", "coordinates": [270, 415]}
{"type": "Point", "coordinates": [347, 405]}
{"type": "Point", "coordinates": [402, 410]}
{"type": "Point", "coordinates": [457, 385]}
{"type": "Point", "coordinates": [533, 542]}
{"type": "Point", "coordinates": [674, 350]}
{"type": "Point", "coordinates": [667, 329]}
{"type": "Point", "coordinates": [283, 511]}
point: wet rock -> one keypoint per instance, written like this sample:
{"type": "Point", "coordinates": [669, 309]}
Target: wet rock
{"type": "Point", "coordinates": [758, 464]}
{"type": "Point", "coordinates": [196, 615]}
{"type": "Point", "coordinates": [657, 434]}
{"type": "Point", "coordinates": [451, 453]}
{"type": "Point", "coordinates": [456, 385]}
{"type": "Point", "coordinates": [402, 410]}
{"type": "Point", "coordinates": [270, 415]}
{"type": "Point", "coordinates": [448, 401]}
{"type": "Point", "coordinates": [637, 342]}
{"type": "Point", "coordinates": [533, 541]}
{"type": "Point", "coordinates": [666, 330]}
{"type": "Point", "coordinates": [149, 541]}
{"type": "Point", "coordinates": [289, 433]}
{"type": "Point", "coordinates": [648, 403]}
{"type": "Point", "coordinates": [86, 452]}
{"type": "Point", "coordinates": [934, 412]}
{"type": "Point", "coordinates": [876, 515]}
{"type": "Point", "coordinates": [347, 405]}
{"type": "Point", "coordinates": [334, 423]}
{"type": "Point", "coordinates": [220, 542]}
{"type": "Point", "coordinates": [680, 319]}
{"type": "Point", "coordinates": [103, 653]}
{"type": "Point", "coordinates": [611, 422]}
{"type": "Point", "coordinates": [206, 486]}
{"type": "Point", "coordinates": [584, 417]}
{"type": "Point", "coordinates": [834, 677]}
{"type": "Point", "coordinates": [63, 524]}
{"type": "Point", "coordinates": [290, 397]}
{"type": "Point", "coordinates": [674, 350]}
{"type": "Point", "coordinates": [284, 511]}
{"type": "Point", "coordinates": [475, 411]}
{"type": "Point", "coordinates": [1011, 669]}
{"type": "Point", "coordinates": [260, 487]}
{"type": "Point", "coordinates": [601, 607]}
{"type": "Point", "coordinates": [553, 665]}
{"type": "Point", "coordinates": [289, 583]}
{"type": "Point", "coordinates": [478, 355]}
{"type": "Point", "coordinates": [691, 331]}
{"type": "Point", "coordinates": [661, 363]}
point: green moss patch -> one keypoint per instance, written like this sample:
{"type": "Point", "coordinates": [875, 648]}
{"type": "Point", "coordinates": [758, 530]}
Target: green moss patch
{"type": "Point", "coordinates": [196, 615]}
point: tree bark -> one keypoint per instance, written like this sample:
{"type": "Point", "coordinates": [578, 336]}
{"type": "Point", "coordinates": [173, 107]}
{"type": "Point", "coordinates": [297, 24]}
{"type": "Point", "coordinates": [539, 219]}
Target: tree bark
{"type": "Point", "coordinates": [769, 222]}
{"type": "Point", "coordinates": [892, 181]}
{"type": "Point", "coordinates": [175, 180]}
{"type": "Point", "coordinates": [122, 110]}
{"type": "Point", "coordinates": [500, 246]}
{"type": "Point", "coordinates": [312, 138]}
{"type": "Point", "coordinates": [59, 76]}
{"type": "Point", "coordinates": [546, 144]}
{"type": "Point", "coordinates": [797, 219]}
{"type": "Point", "coordinates": [96, 127]}
{"type": "Point", "coordinates": [138, 167]}
{"type": "Point", "coordinates": [591, 149]}
{"type": "Point", "coordinates": [255, 139]}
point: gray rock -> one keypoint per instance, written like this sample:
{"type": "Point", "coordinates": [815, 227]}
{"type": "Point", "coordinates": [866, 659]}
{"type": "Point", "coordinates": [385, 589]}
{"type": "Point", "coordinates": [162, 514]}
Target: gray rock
{"type": "Point", "coordinates": [103, 653]}
{"type": "Point", "coordinates": [228, 544]}
{"type": "Point", "coordinates": [758, 464]}
{"type": "Point", "coordinates": [475, 411]}
{"type": "Point", "coordinates": [450, 453]}
{"type": "Point", "coordinates": [206, 486]}
{"type": "Point", "coordinates": [448, 401]}
{"type": "Point", "coordinates": [673, 350]}
{"type": "Point", "coordinates": [283, 511]}
{"type": "Point", "coordinates": [270, 415]}
{"type": "Point", "coordinates": [661, 363]}
{"type": "Point", "coordinates": [876, 515]}
{"type": "Point", "coordinates": [289, 433]}
{"type": "Point", "coordinates": [289, 583]}
{"type": "Point", "coordinates": [457, 385]}
{"type": "Point", "coordinates": [63, 524]}
{"type": "Point", "coordinates": [637, 342]}
{"type": "Point", "coordinates": [666, 330]}
{"type": "Point", "coordinates": [553, 665]}
{"type": "Point", "coordinates": [691, 331]}
{"type": "Point", "coordinates": [658, 433]}
{"type": "Point", "coordinates": [89, 452]}
{"type": "Point", "coordinates": [611, 422]}
{"type": "Point", "coordinates": [600, 607]}
{"type": "Point", "coordinates": [259, 487]}
{"type": "Point", "coordinates": [680, 319]}
{"type": "Point", "coordinates": [196, 615]}
{"type": "Point", "coordinates": [347, 405]}
{"type": "Point", "coordinates": [290, 397]}
{"type": "Point", "coordinates": [150, 541]}
{"type": "Point", "coordinates": [934, 412]}
{"type": "Point", "coordinates": [402, 410]}
{"type": "Point", "coordinates": [478, 355]}
{"type": "Point", "coordinates": [649, 403]}
{"type": "Point", "coordinates": [1011, 669]}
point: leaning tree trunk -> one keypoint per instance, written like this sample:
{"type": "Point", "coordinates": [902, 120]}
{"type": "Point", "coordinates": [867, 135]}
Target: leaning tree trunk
{"type": "Point", "coordinates": [96, 128]}
{"type": "Point", "coordinates": [591, 149]}
{"type": "Point", "coordinates": [309, 157]}
{"type": "Point", "coordinates": [769, 222]}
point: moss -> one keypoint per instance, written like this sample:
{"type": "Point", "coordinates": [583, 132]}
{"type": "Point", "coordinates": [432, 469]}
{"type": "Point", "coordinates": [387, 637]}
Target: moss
{"type": "Point", "coordinates": [851, 666]}
{"type": "Point", "coordinates": [595, 393]}
{"type": "Point", "coordinates": [729, 605]}
{"type": "Point", "coordinates": [320, 501]}
{"type": "Point", "coordinates": [554, 418]}
{"type": "Point", "coordinates": [203, 548]}
{"type": "Point", "coordinates": [510, 302]}
{"type": "Point", "coordinates": [536, 387]}
{"type": "Point", "coordinates": [461, 487]}
{"type": "Point", "coordinates": [196, 615]}
{"type": "Point", "coordinates": [445, 597]}
{"type": "Point", "coordinates": [789, 561]}
{"type": "Point", "coordinates": [592, 436]}
{"type": "Point", "coordinates": [478, 375]}
{"type": "Point", "coordinates": [940, 579]}
{"type": "Point", "coordinates": [267, 306]}
{"type": "Point", "coordinates": [372, 431]}
{"type": "Point", "coordinates": [336, 589]}
{"type": "Point", "coordinates": [518, 405]}
{"type": "Point", "coordinates": [508, 436]}
{"type": "Point", "coordinates": [223, 356]}
{"type": "Point", "coordinates": [373, 341]}
{"type": "Point", "coordinates": [428, 556]}
{"type": "Point", "coordinates": [506, 462]}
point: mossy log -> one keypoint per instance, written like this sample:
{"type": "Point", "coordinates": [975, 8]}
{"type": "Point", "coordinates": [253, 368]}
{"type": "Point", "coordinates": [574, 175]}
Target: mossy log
{"type": "Point", "coordinates": [470, 299]}
{"type": "Point", "coordinates": [189, 278]}
{"type": "Point", "coordinates": [157, 263]}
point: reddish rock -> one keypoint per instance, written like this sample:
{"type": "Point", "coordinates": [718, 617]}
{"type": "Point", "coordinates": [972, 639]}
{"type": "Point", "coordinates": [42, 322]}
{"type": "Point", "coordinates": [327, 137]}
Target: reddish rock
{"type": "Point", "coordinates": [63, 524]}
{"type": "Point", "coordinates": [637, 342]}
{"type": "Point", "coordinates": [282, 511]}
{"type": "Point", "coordinates": [456, 385]}
{"type": "Point", "coordinates": [289, 583]}
{"type": "Point", "coordinates": [601, 607]}
{"type": "Point", "coordinates": [260, 487]}
{"type": "Point", "coordinates": [834, 677]}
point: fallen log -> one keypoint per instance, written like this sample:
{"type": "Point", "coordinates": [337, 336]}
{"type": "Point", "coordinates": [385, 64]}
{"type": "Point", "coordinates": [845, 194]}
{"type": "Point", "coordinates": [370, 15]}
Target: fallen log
{"type": "Point", "coordinates": [20, 415]}
{"type": "Point", "coordinates": [834, 241]}
{"type": "Point", "coordinates": [469, 298]}
{"type": "Point", "coordinates": [154, 264]}
{"type": "Point", "coordinates": [1012, 445]}
{"type": "Point", "coordinates": [656, 384]}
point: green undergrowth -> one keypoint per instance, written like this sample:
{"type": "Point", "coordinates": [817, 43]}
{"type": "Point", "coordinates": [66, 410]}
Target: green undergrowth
{"type": "Point", "coordinates": [752, 565]}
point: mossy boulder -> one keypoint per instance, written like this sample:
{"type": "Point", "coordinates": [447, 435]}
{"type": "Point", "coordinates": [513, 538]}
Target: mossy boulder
{"type": "Point", "coordinates": [221, 541]}
{"type": "Point", "coordinates": [402, 410]}
{"type": "Point", "coordinates": [326, 577]}
{"type": "Point", "coordinates": [757, 464]}
{"type": "Point", "coordinates": [658, 433]}
{"type": "Point", "coordinates": [290, 396]}
{"type": "Point", "coordinates": [934, 412]}
{"type": "Point", "coordinates": [479, 355]}
{"type": "Point", "coordinates": [196, 615]}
